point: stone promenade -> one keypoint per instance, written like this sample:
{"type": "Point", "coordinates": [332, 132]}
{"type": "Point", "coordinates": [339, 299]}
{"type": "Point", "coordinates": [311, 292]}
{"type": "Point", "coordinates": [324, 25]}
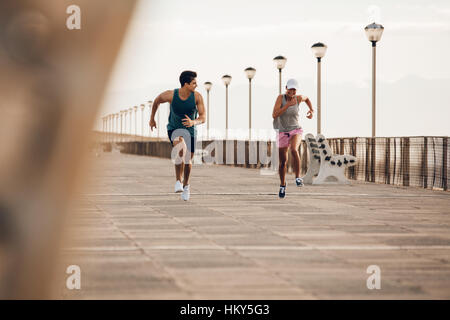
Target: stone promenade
{"type": "Point", "coordinates": [134, 238]}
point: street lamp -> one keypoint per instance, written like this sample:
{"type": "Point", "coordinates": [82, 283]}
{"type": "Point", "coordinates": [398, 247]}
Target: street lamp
{"type": "Point", "coordinates": [135, 120]}
{"type": "Point", "coordinates": [116, 130]}
{"type": "Point", "coordinates": [109, 127]}
{"type": "Point", "coordinates": [250, 73]}
{"type": "Point", "coordinates": [130, 111]}
{"type": "Point", "coordinates": [280, 62]}
{"type": "Point", "coordinates": [104, 129]}
{"type": "Point", "coordinates": [208, 86]}
{"type": "Point", "coordinates": [114, 123]}
{"type": "Point", "coordinates": [373, 33]}
{"type": "Point", "coordinates": [112, 127]}
{"type": "Point", "coordinates": [121, 124]}
{"type": "Point", "coordinates": [226, 80]}
{"type": "Point", "coordinates": [124, 112]}
{"type": "Point", "coordinates": [118, 122]}
{"type": "Point", "coordinates": [319, 49]}
{"type": "Point", "coordinates": [142, 120]}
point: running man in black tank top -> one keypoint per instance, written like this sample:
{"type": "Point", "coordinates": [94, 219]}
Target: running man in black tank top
{"type": "Point", "coordinates": [185, 103]}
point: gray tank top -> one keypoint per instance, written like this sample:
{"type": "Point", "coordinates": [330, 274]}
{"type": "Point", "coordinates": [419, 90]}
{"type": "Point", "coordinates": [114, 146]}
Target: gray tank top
{"type": "Point", "coordinates": [288, 121]}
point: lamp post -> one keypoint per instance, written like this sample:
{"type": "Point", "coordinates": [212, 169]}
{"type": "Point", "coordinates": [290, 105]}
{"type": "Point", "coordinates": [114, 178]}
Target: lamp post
{"type": "Point", "coordinates": [114, 116]}
{"type": "Point", "coordinates": [125, 125]}
{"type": "Point", "coordinates": [226, 80]}
{"type": "Point", "coordinates": [116, 125]}
{"type": "Point", "coordinates": [280, 62]}
{"type": "Point", "coordinates": [121, 124]}
{"type": "Point", "coordinates": [135, 120]}
{"type": "Point", "coordinates": [130, 112]}
{"type": "Point", "coordinates": [112, 127]}
{"type": "Point", "coordinates": [118, 122]}
{"type": "Point", "coordinates": [106, 128]}
{"type": "Point", "coordinates": [114, 120]}
{"type": "Point", "coordinates": [142, 120]}
{"type": "Point", "coordinates": [319, 49]}
{"type": "Point", "coordinates": [112, 123]}
{"type": "Point", "coordinates": [109, 127]}
{"type": "Point", "coordinates": [103, 129]}
{"type": "Point", "coordinates": [250, 73]}
{"type": "Point", "coordinates": [373, 33]}
{"type": "Point", "coordinates": [208, 86]}
{"type": "Point", "coordinates": [125, 112]}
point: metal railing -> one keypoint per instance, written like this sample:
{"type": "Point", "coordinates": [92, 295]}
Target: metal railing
{"type": "Point", "coordinates": [404, 161]}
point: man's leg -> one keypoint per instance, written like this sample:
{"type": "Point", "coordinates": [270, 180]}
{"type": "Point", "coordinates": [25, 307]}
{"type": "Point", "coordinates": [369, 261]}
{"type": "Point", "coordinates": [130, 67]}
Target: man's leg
{"type": "Point", "coordinates": [294, 144]}
{"type": "Point", "coordinates": [187, 170]}
{"type": "Point", "coordinates": [179, 172]}
{"type": "Point", "coordinates": [188, 163]}
{"type": "Point", "coordinates": [179, 144]}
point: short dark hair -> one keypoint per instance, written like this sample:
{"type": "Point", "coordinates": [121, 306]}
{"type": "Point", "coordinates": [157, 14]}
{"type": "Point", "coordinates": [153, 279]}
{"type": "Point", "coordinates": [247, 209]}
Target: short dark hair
{"type": "Point", "coordinates": [187, 77]}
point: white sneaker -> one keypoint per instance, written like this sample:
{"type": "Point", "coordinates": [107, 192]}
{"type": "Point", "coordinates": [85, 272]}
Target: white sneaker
{"type": "Point", "coordinates": [186, 193]}
{"type": "Point", "coordinates": [299, 182]}
{"type": "Point", "coordinates": [178, 186]}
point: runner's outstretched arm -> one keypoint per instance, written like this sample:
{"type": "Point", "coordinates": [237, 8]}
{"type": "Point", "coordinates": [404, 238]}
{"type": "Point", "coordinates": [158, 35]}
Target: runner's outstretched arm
{"type": "Point", "coordinates": [201, 110]}
{"type": "Point", "coordinates": [308, 102]}
{"type": "Point", "coordinates": [166, 96]}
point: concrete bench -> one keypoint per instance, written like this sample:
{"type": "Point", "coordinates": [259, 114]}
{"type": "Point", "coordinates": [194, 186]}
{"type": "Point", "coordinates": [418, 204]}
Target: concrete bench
{"type": "Point", "coordinates": [314, 159]}
{"type": "Point", "coordinates": [332, 166]}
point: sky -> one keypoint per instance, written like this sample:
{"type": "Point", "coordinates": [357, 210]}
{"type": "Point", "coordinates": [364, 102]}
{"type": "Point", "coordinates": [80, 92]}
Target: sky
{"type": "Point", "coordinates": [215, 38]}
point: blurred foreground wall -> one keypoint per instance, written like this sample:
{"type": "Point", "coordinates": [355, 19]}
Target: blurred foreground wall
{"type": "Point", "coordinates": [51, 84]}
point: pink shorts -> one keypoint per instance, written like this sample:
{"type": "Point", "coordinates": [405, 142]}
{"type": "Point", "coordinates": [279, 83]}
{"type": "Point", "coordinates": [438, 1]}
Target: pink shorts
{"type": "Point", "coordinates": [284, 138]}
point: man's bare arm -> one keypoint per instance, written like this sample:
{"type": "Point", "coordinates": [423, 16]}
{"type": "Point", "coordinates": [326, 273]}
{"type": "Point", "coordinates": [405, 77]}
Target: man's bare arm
{"type": "Point", "coordinates": [188, 122]}
{"type": "Point", "coordinates": [166, 96]}
{"type": "Point", "coordinates": [201, 110]}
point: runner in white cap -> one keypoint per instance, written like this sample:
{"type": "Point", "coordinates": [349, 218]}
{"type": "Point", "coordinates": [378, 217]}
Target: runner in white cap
{"type": "Point", "coordinates": [285, 120]}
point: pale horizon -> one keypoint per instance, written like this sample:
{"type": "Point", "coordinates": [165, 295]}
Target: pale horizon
{"type": "Point", "coordinates": [165, 38]}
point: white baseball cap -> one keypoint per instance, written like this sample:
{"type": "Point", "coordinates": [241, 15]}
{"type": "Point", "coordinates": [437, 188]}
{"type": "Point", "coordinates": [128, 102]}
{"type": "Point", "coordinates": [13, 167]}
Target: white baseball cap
{"type": "Point", "coordinates": [292, 84]}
